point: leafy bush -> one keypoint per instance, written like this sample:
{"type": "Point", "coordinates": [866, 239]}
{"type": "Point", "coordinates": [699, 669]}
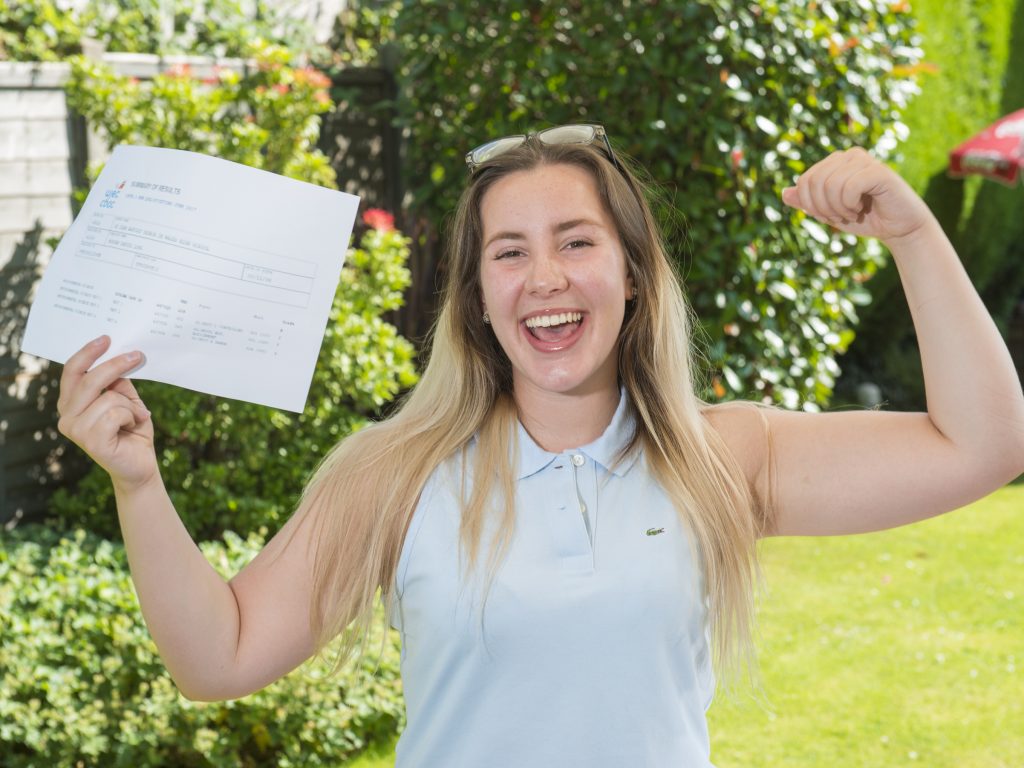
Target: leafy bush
{"type": "Point", "coordinates": [724, 102]}
{"type": "Point", "coordinates": [47, 30]}
{"type": "Point", "coordinates": [81, 682]}
{"type": "Point", "coordinates": [37, 30]}
{"type": "Point", "coordinates": [267, 118]}
{"type": "Point", "coordinates": [361, 30]}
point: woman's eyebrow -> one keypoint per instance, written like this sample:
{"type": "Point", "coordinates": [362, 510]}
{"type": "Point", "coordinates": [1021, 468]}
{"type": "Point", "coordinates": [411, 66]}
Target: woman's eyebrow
{"type": "Point", "coordinates": [574, 223]}
{"type": "Point", "coordinates": [505, 236]}
{"type": "Point", "coordinates": [560, 227]}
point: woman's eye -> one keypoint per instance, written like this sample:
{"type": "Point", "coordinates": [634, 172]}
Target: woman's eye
{"type": "Point", "coordinates": [508, 253]}
{"type": "Point", "coordinates": [578, 243]}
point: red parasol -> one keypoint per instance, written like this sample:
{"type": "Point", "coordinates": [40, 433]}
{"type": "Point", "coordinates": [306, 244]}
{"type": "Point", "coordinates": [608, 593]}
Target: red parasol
{"type": "Point", "coordinates": [996, 153]}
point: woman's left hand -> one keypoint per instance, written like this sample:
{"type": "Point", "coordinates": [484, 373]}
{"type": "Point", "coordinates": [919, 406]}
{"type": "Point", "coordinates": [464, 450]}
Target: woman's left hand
{"type": "Point", "coordinates": [855, 193]}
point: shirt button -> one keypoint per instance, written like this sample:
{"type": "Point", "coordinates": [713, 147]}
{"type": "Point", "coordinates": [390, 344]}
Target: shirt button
{"type": "Point", "coordinates": [578, 460]}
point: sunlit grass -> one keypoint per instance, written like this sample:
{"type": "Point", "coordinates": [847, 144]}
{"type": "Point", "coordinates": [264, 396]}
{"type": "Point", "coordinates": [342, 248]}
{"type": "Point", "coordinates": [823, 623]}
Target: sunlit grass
{"type": "Point", "coordinates": [379, 756]}
{"type": "Point", "coordinates": [896, 648]}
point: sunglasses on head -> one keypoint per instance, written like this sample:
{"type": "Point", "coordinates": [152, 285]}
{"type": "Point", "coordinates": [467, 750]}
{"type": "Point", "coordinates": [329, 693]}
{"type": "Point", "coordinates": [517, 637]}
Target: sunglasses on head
{"type": "Point", "coordinates": [581, 134]}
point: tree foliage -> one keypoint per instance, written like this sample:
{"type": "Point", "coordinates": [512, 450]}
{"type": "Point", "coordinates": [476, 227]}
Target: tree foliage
{"type": "Point", "coordinates": [724, 103]}
{"type": "Point", "coordinates": [49, 30]}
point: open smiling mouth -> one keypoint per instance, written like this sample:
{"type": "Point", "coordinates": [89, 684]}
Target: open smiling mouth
{"type": "Point", "coordinates": [553, 328]}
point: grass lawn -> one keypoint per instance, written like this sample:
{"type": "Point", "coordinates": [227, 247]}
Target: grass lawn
{"type": "Point", "coordinates": [898, 648]}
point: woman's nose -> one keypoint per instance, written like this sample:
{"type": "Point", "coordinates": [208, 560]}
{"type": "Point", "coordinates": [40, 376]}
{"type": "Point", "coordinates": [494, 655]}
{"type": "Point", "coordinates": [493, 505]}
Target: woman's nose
{"type": "Point", "coordinates": [546, 275]}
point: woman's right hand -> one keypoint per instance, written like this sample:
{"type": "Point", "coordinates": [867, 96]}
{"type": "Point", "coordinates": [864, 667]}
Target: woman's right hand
{"type": "Point", "coordinates": [103, 414]}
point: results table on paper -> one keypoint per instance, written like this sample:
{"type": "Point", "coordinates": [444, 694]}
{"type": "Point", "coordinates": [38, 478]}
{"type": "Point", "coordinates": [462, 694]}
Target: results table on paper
{"type": "Point", "coordinates": [200, 261]}
{"type": "Point", "coordinates": [177, 256]}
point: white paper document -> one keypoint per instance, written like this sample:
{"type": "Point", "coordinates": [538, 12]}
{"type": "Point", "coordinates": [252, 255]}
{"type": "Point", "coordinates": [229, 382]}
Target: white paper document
{"type": "Point", "coordinates": [223, 275]}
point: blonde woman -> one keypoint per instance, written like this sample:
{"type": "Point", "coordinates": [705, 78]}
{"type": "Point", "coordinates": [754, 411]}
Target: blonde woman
{"type": "Point", "coordinates": [563, 532]}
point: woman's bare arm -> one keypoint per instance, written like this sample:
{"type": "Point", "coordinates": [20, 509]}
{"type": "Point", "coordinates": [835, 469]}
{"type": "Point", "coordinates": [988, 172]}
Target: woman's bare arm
{"type": "Point", "coordinates": [218, 640]}
{"type": "Point", "coordinates": [851, 472]}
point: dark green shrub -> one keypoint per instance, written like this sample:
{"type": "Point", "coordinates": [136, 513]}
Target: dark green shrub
{"type": "Point", "coordinates": [724, 102]}
{"type": "Point", "coordinates": [81, 683]}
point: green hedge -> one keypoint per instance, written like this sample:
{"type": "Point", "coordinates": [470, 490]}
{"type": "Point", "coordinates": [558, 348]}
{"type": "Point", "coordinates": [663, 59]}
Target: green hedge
{"type": "Point", "coordinates": [52, 30]}
{"type": "Point", "coordinates": [81, 683]}
{"type": "Point", "coordinates": [724, 102]}
{"type": "Point", "coordinates": [974, 73]}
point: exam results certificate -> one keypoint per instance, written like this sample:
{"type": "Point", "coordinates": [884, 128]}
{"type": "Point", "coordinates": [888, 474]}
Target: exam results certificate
{"type": "Point", "coordinates": [223, 275]}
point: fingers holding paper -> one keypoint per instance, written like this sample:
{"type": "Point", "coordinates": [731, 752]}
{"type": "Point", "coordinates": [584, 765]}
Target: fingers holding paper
{"type": "Point", "coordinates": [855, 193]}
{"type": "Point", "coordinates": [102, 413]}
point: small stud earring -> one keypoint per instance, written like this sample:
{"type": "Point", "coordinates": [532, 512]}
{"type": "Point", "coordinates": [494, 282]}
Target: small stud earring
{"type": "Point", "coordinates": [487, 319]}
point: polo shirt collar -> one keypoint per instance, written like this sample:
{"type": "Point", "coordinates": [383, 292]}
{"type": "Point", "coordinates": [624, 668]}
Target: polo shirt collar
{"type": "Point", "coordinates": [604, 450]}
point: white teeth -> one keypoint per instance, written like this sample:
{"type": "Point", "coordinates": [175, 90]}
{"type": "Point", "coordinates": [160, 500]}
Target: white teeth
{"type": "Point", "coordinates": [546, 321]}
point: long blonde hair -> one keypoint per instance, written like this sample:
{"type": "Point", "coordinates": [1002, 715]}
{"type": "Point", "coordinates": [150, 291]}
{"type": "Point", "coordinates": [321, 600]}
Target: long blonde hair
{"type": "Point", "coordinates": [365, 491]}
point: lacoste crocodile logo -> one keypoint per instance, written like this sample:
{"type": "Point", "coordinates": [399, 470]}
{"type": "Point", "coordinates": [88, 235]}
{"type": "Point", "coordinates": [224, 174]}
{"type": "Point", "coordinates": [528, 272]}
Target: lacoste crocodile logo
{"type": "Point", "coordinates": [655, 531]}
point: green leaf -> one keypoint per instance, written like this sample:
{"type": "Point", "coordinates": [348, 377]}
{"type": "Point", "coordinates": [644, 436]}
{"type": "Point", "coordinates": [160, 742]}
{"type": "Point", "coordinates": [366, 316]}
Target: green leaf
{"type": "Point", "coordinates": [766, 125]}
{"type": "Point", "coordinates": [734, 381]}
{"type": "Point", "coordinates": [783, 290]}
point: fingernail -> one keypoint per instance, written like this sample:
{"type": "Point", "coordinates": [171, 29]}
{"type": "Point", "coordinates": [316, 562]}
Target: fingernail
{"type": "Point", "coordinates": [132, 357]}
{"type": "Point", "coordinates": [98, 340]}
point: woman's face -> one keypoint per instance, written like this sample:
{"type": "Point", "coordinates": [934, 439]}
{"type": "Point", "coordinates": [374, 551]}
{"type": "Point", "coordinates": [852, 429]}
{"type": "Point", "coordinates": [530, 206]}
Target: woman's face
{"type": "Point", "coordinates": [554, 279]}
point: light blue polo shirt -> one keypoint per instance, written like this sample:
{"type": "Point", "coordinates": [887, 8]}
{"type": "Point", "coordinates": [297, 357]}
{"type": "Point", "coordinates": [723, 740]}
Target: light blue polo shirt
{"type": "Point", "coordinates": [592, 648]}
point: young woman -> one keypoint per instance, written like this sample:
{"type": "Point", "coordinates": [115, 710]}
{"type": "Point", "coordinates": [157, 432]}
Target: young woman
{"type": "Point", "coordinates": [563, 532]}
